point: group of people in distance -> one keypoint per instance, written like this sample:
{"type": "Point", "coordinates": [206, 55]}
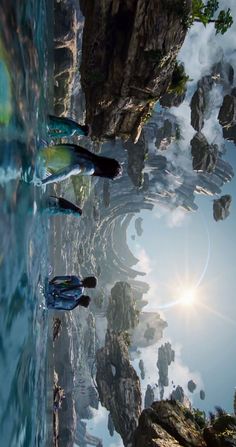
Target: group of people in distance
{"type": "Point", "coordinates": [62, 161]}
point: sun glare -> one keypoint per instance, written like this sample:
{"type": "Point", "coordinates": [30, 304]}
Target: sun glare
{"type": "Point", "coordinates": [188, 297]}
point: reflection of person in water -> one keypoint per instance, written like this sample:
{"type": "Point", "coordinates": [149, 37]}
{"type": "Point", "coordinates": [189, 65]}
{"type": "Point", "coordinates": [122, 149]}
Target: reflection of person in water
{"type": "Point", "coordinates": [59, 205]}
{"type": "Point", "coordinates": [64, 160]}
{"type": "Point", "coordinates": [66, 292]}
{"type": "Point", "coordinates": [60, 127]}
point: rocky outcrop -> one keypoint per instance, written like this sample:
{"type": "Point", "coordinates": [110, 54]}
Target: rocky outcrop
{"type": "Point", "coordinates": [165, 135]}
{"type": "Point", "coordinates": [227, 113]}
{"type": "Point", "coordinates": [191, 386]}
{"type": "Point", "coordinates": [149, 397]}
{"type": "Point", "coordinates": [204, 155]}
{"type": "Point", "coordinates": [199, 101]}
{"type": "Point", "coordinates": [222, 73]}
{"type": "Point", "coordinates": [129, 55]}
{"type": "Point", "coordinates": [167, 424]}
{"type": "Point", "coordinates": [110, 425]}
{"type": "Point", "coordinates": [227, 116]}
{"type": "Point", "coordinates": [142, 369]}
{"type": "Point", "coordinates": [222, 433]}
{"type": "Point", "coordinates": [138, 226]}
{"type": "Point", "coordinates": [172, 99]}
{"type": "Point", "coordinates": [122, 313]}
{"type": "Point", "coordinates": [118, 385]}
{"type": "Point", "coordinates": [202, 395]}
{"type": "Point", "coordinates": [178, 394]}
{"type": "Point", "coordinates": [166, 355]}
{"type": "Point", "coordinates": [136, 160]}
{"type": "Point", "coordinates": [221, 207]}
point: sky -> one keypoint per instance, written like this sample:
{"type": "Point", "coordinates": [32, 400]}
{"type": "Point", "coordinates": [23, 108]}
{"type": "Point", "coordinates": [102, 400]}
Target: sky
{"type": "Point", "coordinates": [192, 247]}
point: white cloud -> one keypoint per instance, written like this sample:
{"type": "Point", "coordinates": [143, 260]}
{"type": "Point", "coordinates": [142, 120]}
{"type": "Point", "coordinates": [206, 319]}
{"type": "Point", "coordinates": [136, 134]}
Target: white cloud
{"type": "Point", "coordinates": [175, 217]}
{"type": "Point", "coordinates": [145, 262]}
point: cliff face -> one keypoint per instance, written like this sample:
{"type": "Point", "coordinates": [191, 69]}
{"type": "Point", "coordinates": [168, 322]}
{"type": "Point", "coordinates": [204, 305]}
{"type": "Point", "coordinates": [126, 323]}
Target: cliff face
{"type": "Point", "coordinates": [122, 313]}
{"type": "Point", "coordinates": [170, 424]}
{"type": "Point", "coordinates": [129, 54]}
{"type": "Point", "coordinates": [118, 385]}
{"type": "Point", "coordinates": [166, 424]}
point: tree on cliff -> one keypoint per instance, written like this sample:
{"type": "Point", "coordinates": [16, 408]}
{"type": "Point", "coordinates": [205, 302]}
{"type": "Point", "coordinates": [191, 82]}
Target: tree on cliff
{"type": "Point", "coordinates": [204, 13]}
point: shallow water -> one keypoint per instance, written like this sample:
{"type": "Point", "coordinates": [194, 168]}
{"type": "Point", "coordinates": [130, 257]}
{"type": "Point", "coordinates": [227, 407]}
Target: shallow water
{"type": "Point", "coordinates": [24, 72]}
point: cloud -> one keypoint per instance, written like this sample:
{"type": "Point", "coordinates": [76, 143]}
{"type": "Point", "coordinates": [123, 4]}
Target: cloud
{"type": "Point", "coordinates": [175, 217]}
{"type": "Point", "coordinates": [145, 262]}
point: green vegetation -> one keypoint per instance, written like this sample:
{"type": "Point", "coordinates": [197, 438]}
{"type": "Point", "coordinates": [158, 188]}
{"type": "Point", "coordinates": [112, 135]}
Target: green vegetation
{"type": "Point", "coordinates": [179, 80]}
{"type": "Point", "coordinates": [197, 416]}
{"type": "Point", "coordinates": [204, 13]}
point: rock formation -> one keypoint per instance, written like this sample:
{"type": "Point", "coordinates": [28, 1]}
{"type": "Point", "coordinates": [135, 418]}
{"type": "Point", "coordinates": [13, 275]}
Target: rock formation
{"type": "Point", "coordinates": [142, 369]}
{"type": "Point", "coordinates": [178, 394]}
{"type": "Point", "coordinates": [227, 116]}
{"type": "Point", "coordinates": [191, 386]}
{"type": "Point", "coordinates": [171, 424]}
{"type": "Point", "coordinates": [166, 355]}
{"type": "Point", "coordinates": [167, 424]}
{"type": "Point", "coordinates": [129, 55]}
{"type": "Point", "coordinates": [172, 99]}
{"type": "Point", "coordinates": [221, 74]}
{"type": "Point", "coordinates": [204, 155]}
{"type": "Point", "coordinates": [227, 113]}
{"type": "Point", "coordinates": [110, 425]}
{"type": "Point", "coordinates": [199, 102]}
{"type": "Point", "coordinates": [122, 314]}
{"type": "Point", "coordinates": [138, 226]}
{"type": "Point", "coordinates": [136, 160]}
{"type": "Point", "coordinates": [149, 397]}
{"type": "Point", "coordinates": [221, 207]}
{"type": "Point", "coordinates": [118, 385]}
{"type": "Point", "coordinates": [222, 433]}
{"type": "Point", "coordinates": [202, 395]}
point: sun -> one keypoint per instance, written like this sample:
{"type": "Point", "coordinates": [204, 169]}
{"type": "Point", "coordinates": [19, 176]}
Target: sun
{"type": "Point", "coordinates": [187, 297]}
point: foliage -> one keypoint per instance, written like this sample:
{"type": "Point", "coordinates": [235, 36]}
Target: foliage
{"type": "Point", "coordinates": [204, 13]}
{"type": "Point", "coordinates": [197, 416]}
{"type": "Point", "coordinates": [179, 80]}
{"type": "Point", "coordinates": [200, 418]}
{"type": "Point", "coordinates": [220, 411]}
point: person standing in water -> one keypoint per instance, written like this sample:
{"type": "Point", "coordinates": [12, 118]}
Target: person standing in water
{"type": "Point", "coordinates": [67, 292]}
{"type": "Point", "coordinates": [65, 160]}
{"type": "Point", "coordinates": [61, 127]}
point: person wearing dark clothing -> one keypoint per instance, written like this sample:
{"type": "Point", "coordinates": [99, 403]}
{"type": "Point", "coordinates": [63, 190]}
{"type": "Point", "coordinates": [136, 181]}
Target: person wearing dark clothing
{"type": "Point", "coordinates": [64, 160]}
{"type": "Point", "coordinates": [67, 292]}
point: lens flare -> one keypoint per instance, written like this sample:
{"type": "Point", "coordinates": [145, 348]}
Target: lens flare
{"type": "Point", "coordinates": [187, 297]}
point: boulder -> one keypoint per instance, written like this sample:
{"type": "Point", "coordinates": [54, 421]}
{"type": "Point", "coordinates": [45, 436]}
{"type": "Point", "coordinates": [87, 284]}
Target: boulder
{"type": "Point", "coordinates": [221, 207]}
{"type": "Point", "coordinates": [204, 155]}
